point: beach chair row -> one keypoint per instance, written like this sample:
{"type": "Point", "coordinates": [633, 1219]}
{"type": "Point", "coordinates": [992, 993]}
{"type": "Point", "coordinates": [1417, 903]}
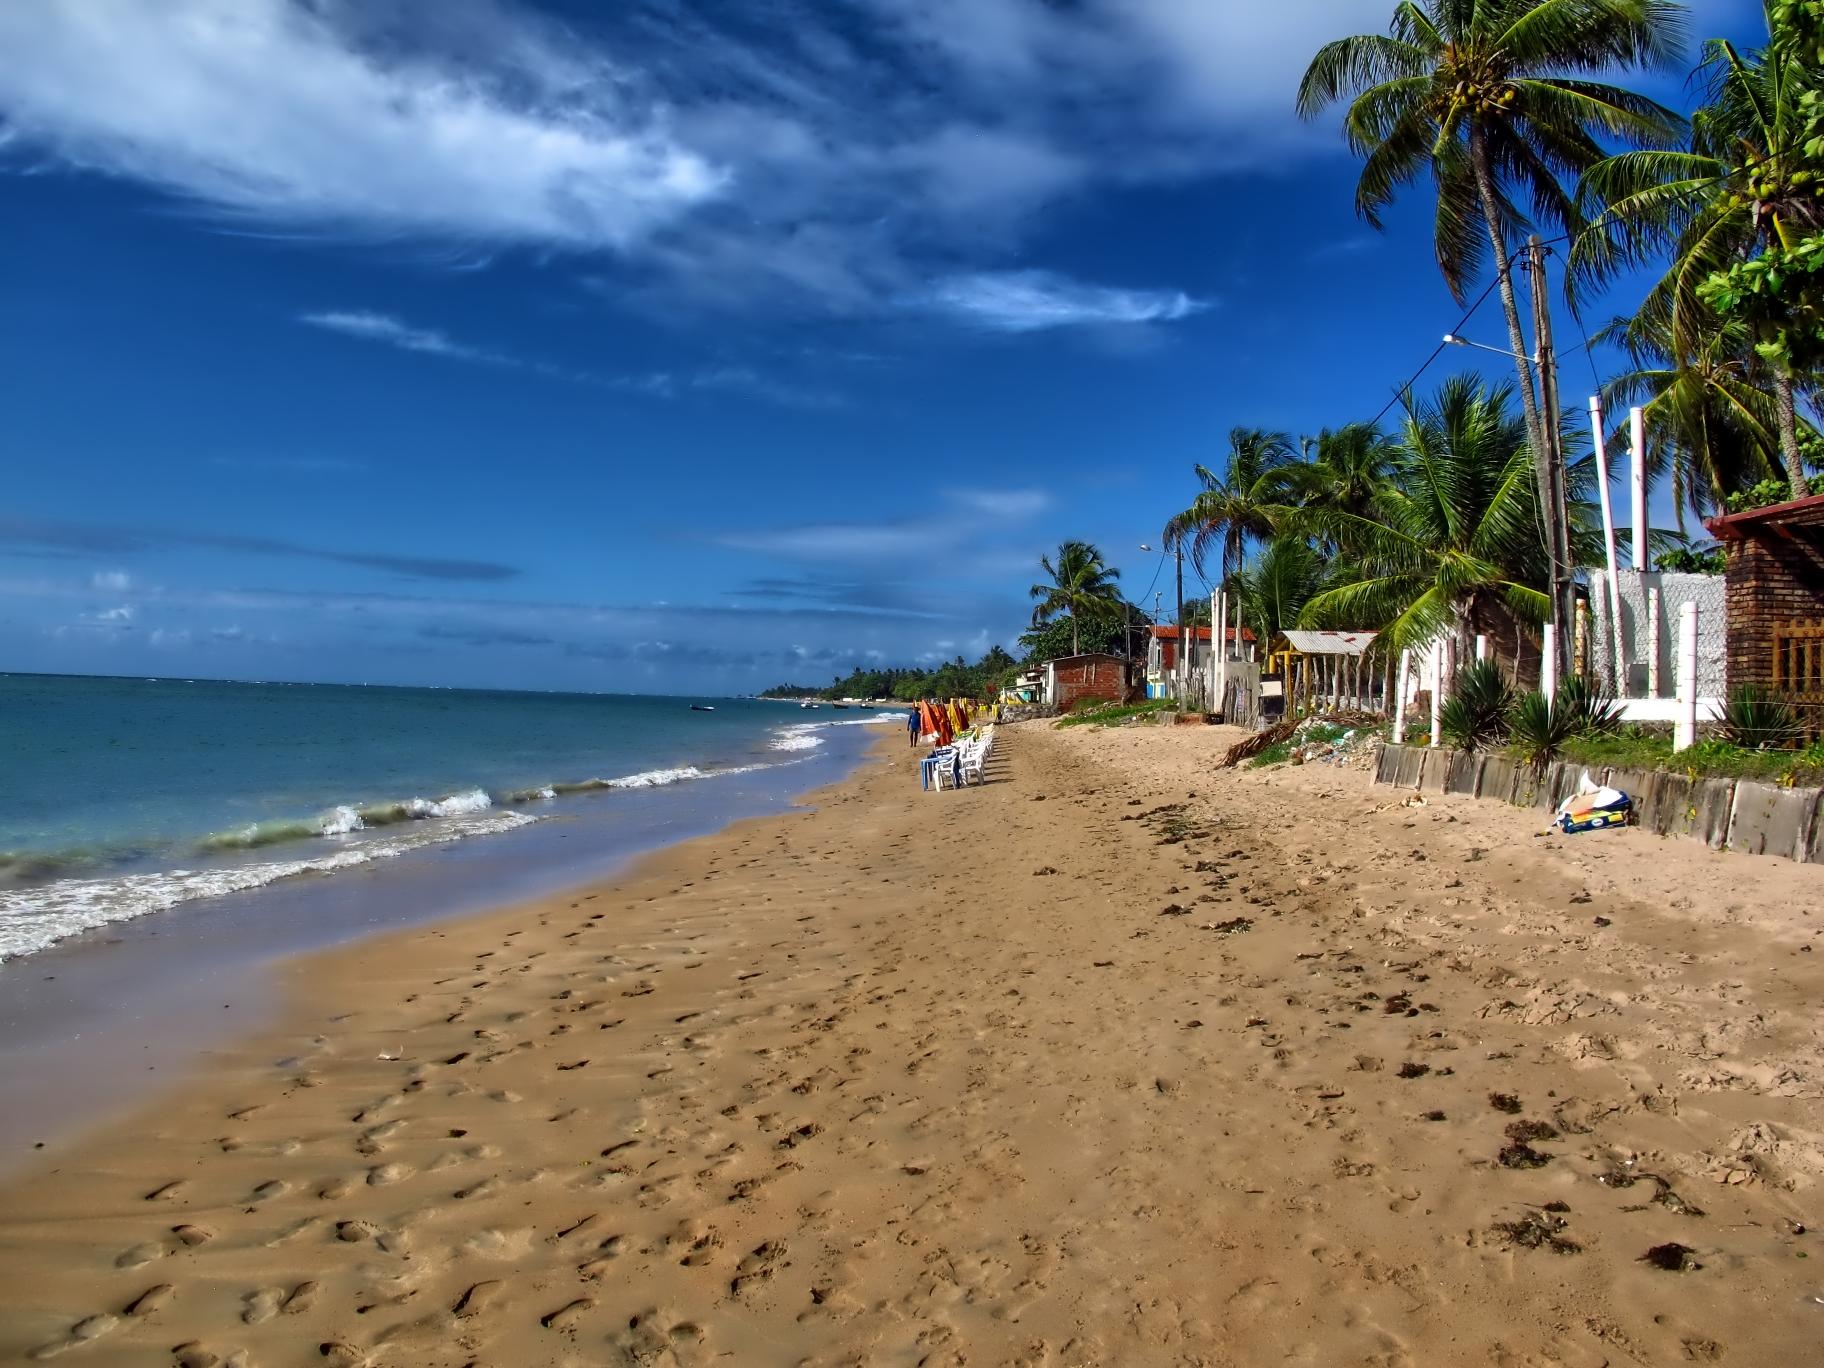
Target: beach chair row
{"type": "Point", "coordinates": [957, 764]}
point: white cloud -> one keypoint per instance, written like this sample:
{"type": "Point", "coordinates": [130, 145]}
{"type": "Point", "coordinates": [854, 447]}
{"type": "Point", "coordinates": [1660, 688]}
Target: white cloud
{"type": "Point", "coordinates": [820, 161]}
{"type": "Point", "coordinates": [379, 327]}
{"type": "Point", "coordinates": [122, 614]}
{"type": "Point", "coordinates": [277, 109]}
{"type": "Point", "coordinates": [1029, 301]}
{"type": "Point", "coordinates": [111, 581]}
{"type": "Point", "coordinates": [1003, 503]}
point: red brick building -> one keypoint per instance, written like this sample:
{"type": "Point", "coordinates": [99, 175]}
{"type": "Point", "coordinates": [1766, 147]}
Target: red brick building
{"type": "Point", "coordinates": [1774, 592]}
{"type": "Point", "coordinates": [1070, 680]}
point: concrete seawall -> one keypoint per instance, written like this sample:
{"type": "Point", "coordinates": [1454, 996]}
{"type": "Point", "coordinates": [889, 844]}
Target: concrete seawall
{"type": "Point", "coordinates": [1733, 814]}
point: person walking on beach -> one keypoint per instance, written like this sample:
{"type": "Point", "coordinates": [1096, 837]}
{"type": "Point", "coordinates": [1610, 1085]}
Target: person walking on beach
{"type": "Point", "coordinates": [912, 727]}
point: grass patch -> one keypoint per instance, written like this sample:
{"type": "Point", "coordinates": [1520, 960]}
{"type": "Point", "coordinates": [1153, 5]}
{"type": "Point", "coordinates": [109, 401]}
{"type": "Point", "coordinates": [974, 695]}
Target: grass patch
{"type": "Point", "coordinates": [1712, 758]}
{"type": "Point", "coordinates": [1114, 714]}
{"type": "Point", "coordinates": [1276, 754]}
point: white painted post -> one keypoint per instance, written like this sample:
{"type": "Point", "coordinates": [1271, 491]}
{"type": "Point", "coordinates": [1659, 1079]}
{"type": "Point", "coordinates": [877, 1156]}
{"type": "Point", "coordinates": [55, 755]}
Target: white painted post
{"type": "Point", "coordinates": [1608, 546]}
{"type": "Point", "coordinates": [1548, 664]}
{"type": "Point", "coordinates": [1219, 666]}
{"type": "Point", "coordinates": [1653, 611]}
{"type": "Point", "coordinates": [1637, 437]}
{"type": "Point", "coordinates": [1399, 694]}
{"type": "Point", "coordinates": [1437, 685]}
{"type": "Point", "coordinates": [1684, 728]}
{"type": "Point", "coordinates": [1481, 648]}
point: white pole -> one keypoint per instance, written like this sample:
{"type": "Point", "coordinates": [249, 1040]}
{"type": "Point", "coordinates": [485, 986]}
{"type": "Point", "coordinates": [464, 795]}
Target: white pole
{"type": "Point", "coordinates": [1399, 694]}
{"type": "Point", "coordinates": [1684, 729]}
{"type": "Point", "coordinates": [1620, 657]}
{"type": "Point", "coordinates": [1653, 611]}
{"type": "Point", "coordinates": [1637, 438]}
{"type": "Point", "coordinates": [1548, 664]}
{"type": "Point", "coordinates": [1481, 648]}
{"type": "Point", "coordinates": [1437, 685]}
{"type": "Point", "coordinates": [1219, 658]}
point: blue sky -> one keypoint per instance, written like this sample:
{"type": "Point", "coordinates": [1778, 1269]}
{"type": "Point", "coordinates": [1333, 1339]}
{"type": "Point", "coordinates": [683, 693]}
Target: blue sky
{"type": "Point", "coordinates": [655, 345]}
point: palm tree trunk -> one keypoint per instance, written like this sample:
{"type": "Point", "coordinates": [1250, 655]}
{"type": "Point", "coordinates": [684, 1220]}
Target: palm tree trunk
{"type": "Point", "coordinates": [1529, 400]}
{"type": "Point", "coordinates": [1789, 433]}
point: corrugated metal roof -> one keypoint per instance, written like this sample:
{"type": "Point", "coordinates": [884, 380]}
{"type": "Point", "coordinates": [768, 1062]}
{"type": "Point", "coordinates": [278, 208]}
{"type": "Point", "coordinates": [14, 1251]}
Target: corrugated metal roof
{"type": "Point", "coordinates": [1331, 643]}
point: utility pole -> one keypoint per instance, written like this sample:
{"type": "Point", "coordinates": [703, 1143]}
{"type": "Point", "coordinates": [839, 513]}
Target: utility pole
{"type": "Point", "coordinates": [1556, 514]}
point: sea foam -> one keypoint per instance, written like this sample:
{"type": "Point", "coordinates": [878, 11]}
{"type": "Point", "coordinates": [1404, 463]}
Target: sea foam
{"type": "Point", "coordinates": [31, 919]}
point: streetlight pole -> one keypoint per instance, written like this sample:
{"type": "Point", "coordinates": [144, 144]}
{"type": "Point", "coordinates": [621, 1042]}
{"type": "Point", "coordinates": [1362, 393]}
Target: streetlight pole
{"type": "Point", "coordinates": [1554, 514]}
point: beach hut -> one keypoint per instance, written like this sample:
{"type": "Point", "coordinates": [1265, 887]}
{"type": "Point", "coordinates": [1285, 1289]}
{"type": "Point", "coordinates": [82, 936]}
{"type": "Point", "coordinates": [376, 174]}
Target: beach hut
{"type": "Point", "coordinates": [1328, 670]}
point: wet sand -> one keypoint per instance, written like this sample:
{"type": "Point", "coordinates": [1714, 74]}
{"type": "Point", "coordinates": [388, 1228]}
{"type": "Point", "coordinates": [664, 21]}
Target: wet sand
{"type": "Point", "coordinates": [1117, 1059]}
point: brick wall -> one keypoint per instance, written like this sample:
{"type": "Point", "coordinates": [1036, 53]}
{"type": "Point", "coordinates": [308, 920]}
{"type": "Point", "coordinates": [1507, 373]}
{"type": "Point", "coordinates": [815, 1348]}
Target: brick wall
{"type": "Point", "coordinates": [1098, 679]}
{"type": "Point", "coordinates": [1772, 578]}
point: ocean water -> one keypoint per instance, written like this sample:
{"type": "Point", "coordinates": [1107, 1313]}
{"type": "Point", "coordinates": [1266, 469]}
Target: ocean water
{"type": "Point", "coordinates": [125, 797]}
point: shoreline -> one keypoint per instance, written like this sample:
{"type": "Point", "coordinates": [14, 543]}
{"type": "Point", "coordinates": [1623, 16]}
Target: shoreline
{"type": "Point", "coordinates": [97, 1021]}
{"type": "Point", "coordinates": [998, 1075]}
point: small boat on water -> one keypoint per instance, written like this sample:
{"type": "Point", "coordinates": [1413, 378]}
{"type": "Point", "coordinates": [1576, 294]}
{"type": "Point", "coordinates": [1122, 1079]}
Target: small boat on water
{"type": "Point", "coordinates": [702, 707]}
{"type": "Point", "coordinates": [839, 705]}
{"type": "Point", "coordinates": [810, 705]}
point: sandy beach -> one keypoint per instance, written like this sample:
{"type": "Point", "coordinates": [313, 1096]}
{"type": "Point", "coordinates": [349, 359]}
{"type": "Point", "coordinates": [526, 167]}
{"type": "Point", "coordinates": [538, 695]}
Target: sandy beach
{"type": "Point", "coordinates": [1119, 1058]}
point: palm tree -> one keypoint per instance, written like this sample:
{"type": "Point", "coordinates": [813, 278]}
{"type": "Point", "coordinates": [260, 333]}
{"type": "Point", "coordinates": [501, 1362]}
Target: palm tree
{"type": "Point", "coordinates": [1496, 98]}
{"type": "Point", "coordinates": [1453, 536]}
{"type": "Point", "coordinates": [1239, 504]}
{"type": "Point", "coordinates": [1707, 423]}
{"type": "Point", "coordinates": [1729, 193]}
{"type": "Point", "coordinates": [1081, 587]}
{"type": "Point", "coordinates": [1274, 589]}
{"type": "Point", "coordinates": [1344, 470]}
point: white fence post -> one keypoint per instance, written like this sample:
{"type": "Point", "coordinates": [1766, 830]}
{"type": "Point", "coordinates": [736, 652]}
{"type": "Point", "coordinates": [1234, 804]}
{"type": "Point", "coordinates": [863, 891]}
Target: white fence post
{"type": "Point", "coordinates": [1437, 685]}
{"type": "Point", "coordinates": [1653, 611]}
{"type": "Point", "coordinates": [1399, 696]}
{"type": "Point", "coordinates": [1684, 729]}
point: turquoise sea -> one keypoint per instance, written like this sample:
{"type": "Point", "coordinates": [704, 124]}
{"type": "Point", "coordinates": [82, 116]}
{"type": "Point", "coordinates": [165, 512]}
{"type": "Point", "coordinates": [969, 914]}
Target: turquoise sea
{"type": "Point", "coordinates": [125, 797]}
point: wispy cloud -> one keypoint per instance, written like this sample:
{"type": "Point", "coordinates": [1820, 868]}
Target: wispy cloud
{"type": "Point", "coordinates": [384, 328]}
{"type": "Point", "coordinates": [368, 326]}
{"type": "Point", "coordinates": [1031, 301]}
{"type": "Point", "coordinates": [115, 540]}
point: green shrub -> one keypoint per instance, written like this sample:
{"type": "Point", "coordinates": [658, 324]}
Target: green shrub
{"type": "Point", "coordinates": [1754, 721]}
{"type": "Point", "coordinates": [1475, 714]}
{"type": "Point", "coordinates": [1539, 730]}
{"type": "Point", "coordinates": [1589, 713]}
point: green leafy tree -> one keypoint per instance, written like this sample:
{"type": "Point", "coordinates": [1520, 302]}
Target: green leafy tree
{"type": "Point", "coordinates": [1728, 209]}
{"type": "Point", "coordinates": [1238, 505]}
{"type": "Point", "coordinates": [1498, 101]}
{"type": "Point", "coordinates": [1081, 588]}
{"type": "Point", "coordinates": [1063, 636]}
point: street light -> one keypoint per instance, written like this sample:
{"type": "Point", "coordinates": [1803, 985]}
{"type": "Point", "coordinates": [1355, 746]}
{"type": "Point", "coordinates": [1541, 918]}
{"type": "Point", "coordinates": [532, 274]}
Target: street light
{"type": "Point", "coordinates": [1451, 339]}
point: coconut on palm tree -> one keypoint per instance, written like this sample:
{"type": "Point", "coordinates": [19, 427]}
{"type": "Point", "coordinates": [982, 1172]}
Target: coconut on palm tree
{"type": "Point", "coordinates": [1500, 101]}
{"type": "Point", "coordinates": [1082, 587]}
{"type": "Point", "coordinates": [1739, 186]}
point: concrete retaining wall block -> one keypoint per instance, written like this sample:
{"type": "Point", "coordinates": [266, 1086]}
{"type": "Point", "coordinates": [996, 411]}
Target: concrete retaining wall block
{"type": "Point", "coordinates": [1769, 820]}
